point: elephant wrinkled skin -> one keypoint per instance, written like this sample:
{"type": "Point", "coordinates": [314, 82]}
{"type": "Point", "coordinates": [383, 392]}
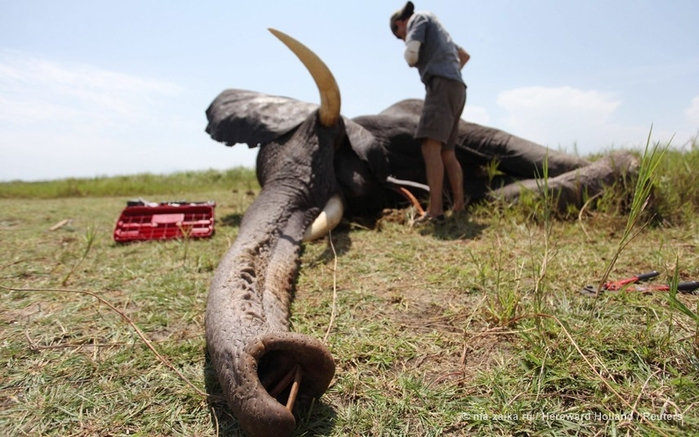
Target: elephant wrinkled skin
{"type": "Point", "coordinates": [308, 155]}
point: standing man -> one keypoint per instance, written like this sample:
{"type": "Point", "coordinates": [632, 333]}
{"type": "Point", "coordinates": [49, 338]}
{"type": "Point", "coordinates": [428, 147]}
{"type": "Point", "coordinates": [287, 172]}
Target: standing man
{"type": "Point", "coordinates": [439, 61]}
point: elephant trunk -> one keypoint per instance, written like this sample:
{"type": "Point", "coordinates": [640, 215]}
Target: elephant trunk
{"type": "Point", "coordinates": [247, 318]}
{"type": "Point", "coordinates": [247, 313]}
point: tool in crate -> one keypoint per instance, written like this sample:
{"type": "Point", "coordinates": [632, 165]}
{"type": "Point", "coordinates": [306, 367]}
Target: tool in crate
{"type": "Point", "coordinates": [142, 220]}
{"type": "Point", "coordinates": [628, 284]}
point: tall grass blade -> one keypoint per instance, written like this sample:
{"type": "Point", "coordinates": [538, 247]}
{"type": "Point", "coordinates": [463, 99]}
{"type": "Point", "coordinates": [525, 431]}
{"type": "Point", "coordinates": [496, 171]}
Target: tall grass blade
{"type": "Point", "coordinates": [647, 177]}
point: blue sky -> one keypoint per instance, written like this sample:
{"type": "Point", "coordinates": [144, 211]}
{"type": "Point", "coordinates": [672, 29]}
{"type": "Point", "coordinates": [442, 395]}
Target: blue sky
{"type": "Point", "coordinates": [92, 88]}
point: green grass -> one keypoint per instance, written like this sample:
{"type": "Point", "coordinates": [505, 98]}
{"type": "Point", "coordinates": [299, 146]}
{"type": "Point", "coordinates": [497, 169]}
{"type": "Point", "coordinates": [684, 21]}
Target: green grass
{"type": "Point", "coordinates": [473, 327]}
{"type": "Point", "coordinates": [136, 185]}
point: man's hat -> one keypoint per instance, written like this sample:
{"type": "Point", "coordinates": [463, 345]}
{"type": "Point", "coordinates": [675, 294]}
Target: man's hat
{"type": "Point", "coordinates": [401, 14]}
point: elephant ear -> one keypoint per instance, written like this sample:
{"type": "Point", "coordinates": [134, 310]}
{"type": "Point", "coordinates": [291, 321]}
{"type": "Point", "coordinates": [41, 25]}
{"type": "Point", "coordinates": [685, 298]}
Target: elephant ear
{"type": "Point", "coordinates": [368, 149]}
{"type": "Point", "coordinates": [240, 116]}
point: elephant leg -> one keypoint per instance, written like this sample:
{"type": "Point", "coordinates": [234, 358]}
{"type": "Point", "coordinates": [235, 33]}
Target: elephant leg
{"type": "Point", "coordinates": [515, 156]}
{"type": "Point", "coordinates": [573, 187]}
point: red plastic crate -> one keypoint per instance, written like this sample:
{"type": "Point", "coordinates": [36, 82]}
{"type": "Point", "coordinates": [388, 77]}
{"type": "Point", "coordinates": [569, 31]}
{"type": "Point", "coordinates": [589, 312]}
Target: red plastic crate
{"type": "Point", "coordinates": [163, 221]}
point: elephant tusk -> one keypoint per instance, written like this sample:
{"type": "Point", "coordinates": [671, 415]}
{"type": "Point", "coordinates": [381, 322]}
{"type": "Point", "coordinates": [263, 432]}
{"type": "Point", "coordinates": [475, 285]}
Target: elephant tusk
{"type": "Point", "coordinates": [294, 388]}
{"type": "Point", "coordinates": [399, 185]}
{"type": "Point", "coordinates": [403, 182]}
{"type": "Point", "coordinates": [326, 221]}
{"type": "Point", "coordinates": [408, 195]}
{"type": "Point", "coordinates": [329, 112]}
{"type": "Point", "coordinates": [284, 383]}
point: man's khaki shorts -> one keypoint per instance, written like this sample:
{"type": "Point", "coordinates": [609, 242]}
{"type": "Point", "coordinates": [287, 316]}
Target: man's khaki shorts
{"type": "Point", "coordinates": [444, 103]}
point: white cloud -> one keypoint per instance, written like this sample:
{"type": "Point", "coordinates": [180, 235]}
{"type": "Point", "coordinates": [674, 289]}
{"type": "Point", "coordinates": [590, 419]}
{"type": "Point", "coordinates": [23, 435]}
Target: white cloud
{"type": "Point", "coordinates": [37, 90]}
{"type": "Point", "coordinates": [566, 98]}
{"type": "Point", "coordinates": [583, 120]}
{"type": "Point", "coordinates": [62, 120]}
{"type": "Point", "coordinates": [476, 114]}
{"type": "Point", "coordinates": [567, 117]}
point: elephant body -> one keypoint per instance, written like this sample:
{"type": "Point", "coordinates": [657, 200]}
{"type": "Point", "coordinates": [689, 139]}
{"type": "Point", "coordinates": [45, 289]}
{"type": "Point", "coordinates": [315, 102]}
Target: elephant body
{"type": "Point", "coordinates": [477, 146]}
{"type": "Point", "coordinates": [378, 146]}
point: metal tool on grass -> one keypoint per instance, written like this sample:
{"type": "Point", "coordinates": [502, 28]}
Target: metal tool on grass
{"type": "Point", "coordinates": [628, 285]}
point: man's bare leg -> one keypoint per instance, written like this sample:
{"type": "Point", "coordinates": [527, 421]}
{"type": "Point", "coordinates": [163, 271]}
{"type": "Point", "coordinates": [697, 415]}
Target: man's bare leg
{"type": "Point", "coordinates": [456, 178]}
{"type": "Point", "coordinates": [434, 167]}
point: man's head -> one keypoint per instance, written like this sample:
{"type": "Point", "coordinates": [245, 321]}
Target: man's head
{"type": "Point", "coordinates": [399, 20]}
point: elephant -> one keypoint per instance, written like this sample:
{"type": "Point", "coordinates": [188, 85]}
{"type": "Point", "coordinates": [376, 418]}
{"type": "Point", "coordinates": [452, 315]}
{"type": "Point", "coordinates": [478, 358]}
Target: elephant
{"type": "Point", "coordinates": [379, 159]}
{"type": "Point", "coordinates": [314, 166]}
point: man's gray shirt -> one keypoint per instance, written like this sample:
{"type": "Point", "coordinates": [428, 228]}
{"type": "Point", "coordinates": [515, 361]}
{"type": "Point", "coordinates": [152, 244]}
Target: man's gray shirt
{"type": "Point", "coordinates": [438, 54]}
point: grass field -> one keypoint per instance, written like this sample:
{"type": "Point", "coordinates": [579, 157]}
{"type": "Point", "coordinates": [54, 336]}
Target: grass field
{"type": "Point", "coordinates": [474, 327]}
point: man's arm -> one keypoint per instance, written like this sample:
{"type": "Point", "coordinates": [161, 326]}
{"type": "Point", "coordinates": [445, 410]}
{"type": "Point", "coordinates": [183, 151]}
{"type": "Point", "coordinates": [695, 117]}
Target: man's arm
{"type": "Point", "coordinates": [463, 56]}
{"type": "Point", "coordinates": [412, 52]}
